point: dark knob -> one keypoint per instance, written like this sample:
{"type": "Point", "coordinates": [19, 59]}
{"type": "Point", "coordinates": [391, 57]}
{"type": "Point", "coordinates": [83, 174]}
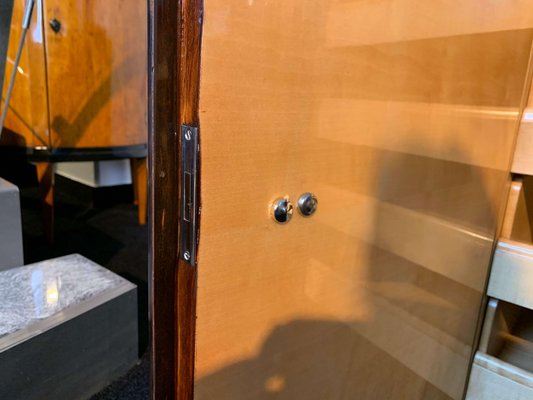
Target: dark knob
{"type": "Point", "coordinates": [307, 204]}
{"type": "Point", "coordinates": [55, 25]}
{"type": "Point", "coordinates": [282, 210]}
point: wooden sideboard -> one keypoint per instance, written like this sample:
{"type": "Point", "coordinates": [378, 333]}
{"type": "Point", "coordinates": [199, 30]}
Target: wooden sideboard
{"type": "Point", "coordinates": [80, 92]}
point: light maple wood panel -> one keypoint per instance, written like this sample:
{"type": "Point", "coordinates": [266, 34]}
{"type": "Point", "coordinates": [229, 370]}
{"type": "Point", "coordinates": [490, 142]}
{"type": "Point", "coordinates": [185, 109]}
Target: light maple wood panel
{"type": "Point", "coordinates": [352, 23]}
{"type": "Point", "coordinates": [406, 143]}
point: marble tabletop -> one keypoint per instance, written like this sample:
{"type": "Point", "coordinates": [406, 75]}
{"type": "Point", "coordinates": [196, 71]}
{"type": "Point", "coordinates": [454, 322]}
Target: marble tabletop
{"type": "Point", "coordinates": [37, 291]}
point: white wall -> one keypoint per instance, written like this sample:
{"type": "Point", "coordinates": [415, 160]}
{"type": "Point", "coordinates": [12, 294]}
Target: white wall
{"type": "Point", "coordinates": [97, 174]}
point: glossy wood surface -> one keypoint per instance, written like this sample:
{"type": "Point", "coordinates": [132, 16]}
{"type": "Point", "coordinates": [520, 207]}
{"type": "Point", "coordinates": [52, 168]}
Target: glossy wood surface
{"type": "Point", "coordinates": [163, 172]}
{"type": "Point", "coordinates": [85, 85]}
{"type": "Point", "coordinates": [403, 124]}
{"type": "Point", "coordinates": [97, 92]}
{"type": "Point", "coordinates": [27, 119]}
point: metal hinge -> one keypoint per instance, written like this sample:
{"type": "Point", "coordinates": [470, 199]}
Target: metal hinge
{"type": "Point", "coordinates": [189, 187]}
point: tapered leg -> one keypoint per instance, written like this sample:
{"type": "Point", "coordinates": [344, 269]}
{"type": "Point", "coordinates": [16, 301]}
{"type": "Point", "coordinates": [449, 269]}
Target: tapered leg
{"type": "Point", "coordinates": [45, 176]}
{"type": "Point", "coordinates": [140, 186]}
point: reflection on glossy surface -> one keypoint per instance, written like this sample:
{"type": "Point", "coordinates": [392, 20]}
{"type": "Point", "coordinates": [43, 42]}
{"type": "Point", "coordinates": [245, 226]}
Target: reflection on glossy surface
{"type": "Point", "coordinates": [403, 124]}
{"type": "Point", "coordinates": [85, 85]}
{"type": "Point", "coordinates": [40, 290]}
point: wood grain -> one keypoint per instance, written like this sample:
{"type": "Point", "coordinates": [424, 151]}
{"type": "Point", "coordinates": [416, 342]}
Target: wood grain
{"type": "Point", "coordinates": [105, 78]}
{"type": "Point", "coordinates": [406, 135]}
{"type": "Point", "coordinates": [188, 104]}
{"type": "Point", "coordinates": [85, 85]}
{"type": "Point", "coordinates": [163, 172]}
{"type": "Point", "coordinates": [174, 102]}
{"type": "Point", "coordinates": [140, 186]}
{"type": "Point", "coordinates": [26, 123]}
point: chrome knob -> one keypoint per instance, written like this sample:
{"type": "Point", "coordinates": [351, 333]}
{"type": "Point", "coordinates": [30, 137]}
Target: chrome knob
{"type": "Point", "coordinates": [307, 204]}
{"type": "Point", "coordinates": [282, 210]}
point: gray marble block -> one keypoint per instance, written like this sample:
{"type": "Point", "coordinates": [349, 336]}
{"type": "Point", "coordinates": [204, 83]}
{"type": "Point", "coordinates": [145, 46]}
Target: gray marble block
{"type": "Point", "coordinates": [68, 327]}
{"type": "Point", "coordinates": [11, 254]}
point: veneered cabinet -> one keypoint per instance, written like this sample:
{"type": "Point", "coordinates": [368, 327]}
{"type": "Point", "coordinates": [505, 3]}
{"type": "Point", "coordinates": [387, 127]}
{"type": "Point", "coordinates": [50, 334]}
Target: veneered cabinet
{"type": "Point", "coordinates": [80, 91]}
{"type": "Point", "coordinates": [81, 83]}
{"type": "Point", "coordinates": [401, 117]}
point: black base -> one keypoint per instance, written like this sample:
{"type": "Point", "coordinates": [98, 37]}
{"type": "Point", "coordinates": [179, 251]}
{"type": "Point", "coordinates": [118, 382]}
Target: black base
{"type": "Point", "coordinates": [46, 154]}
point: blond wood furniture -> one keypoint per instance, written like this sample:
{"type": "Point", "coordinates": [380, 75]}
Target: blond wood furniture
{"type": "Point", "coordinates": [401, 117]}
{"type": "Point", "coordinates": [403, 125]}
{"type": "Point", "coordinates": [80, 93]}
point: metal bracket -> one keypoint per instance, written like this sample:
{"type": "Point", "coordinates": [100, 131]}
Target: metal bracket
{"type": "Point", "coordinates": [189, 187]}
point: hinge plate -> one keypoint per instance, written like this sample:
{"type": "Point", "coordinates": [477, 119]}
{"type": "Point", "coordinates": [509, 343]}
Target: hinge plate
{"type": "Point", "coordinates": [189, 188]}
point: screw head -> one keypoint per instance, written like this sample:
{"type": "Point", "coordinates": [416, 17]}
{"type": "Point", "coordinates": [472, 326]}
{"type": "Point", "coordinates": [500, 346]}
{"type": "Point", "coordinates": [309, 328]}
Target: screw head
{"type": "Point", "coordinates": [188, 134]}
{"type": "Point", "coordinates": [187, 255]}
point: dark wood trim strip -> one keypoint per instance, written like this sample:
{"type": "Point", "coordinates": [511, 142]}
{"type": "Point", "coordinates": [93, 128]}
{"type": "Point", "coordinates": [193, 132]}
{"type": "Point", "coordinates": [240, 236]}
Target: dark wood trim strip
{"type": "Point", "coordinates": [189, 86]}
{"type": "Point", "coordinates": [174, 45]}
{"type": "Point", "coordinates": [163, 172]}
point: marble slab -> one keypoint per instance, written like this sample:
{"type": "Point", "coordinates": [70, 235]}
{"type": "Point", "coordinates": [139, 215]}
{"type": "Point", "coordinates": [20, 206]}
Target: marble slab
{"type": "Point", "coordinates": [40, 291]}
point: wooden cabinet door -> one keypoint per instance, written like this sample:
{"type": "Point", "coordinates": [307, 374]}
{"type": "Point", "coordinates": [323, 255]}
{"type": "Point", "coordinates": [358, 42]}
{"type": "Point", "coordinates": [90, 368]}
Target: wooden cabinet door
{"type": "Point", "coordinates": [401, 117]}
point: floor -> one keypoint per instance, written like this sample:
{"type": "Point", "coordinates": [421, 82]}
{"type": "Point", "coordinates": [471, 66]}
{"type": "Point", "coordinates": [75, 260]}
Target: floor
{"type": "Point", "coordinates": [101, 224]}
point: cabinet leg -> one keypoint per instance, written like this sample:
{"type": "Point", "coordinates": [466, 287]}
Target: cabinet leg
{"type": "Point", "coordinates": [140, 186]}
{"type": "Point", "coordinates": [45, 176]}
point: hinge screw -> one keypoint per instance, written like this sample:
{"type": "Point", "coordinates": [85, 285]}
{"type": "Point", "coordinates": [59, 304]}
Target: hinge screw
{"type": "Point", "coordinates": [187, 256]}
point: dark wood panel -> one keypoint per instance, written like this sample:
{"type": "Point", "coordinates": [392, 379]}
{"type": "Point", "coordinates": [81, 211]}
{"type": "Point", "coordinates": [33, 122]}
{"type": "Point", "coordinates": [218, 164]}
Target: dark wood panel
{"type": "Point", "coordinates": [175, 34]}
{"type": "Point", "coordinates": [163, 193]}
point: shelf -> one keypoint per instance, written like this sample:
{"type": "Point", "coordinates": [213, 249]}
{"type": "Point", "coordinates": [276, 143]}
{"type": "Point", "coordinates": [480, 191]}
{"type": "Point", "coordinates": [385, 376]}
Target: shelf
{"type": "Point", "coordinates": [511, 277]}
{"type": "Point", "coordinates": [494, 379]}
{"type": "Point", "coordinates": [503, 366]}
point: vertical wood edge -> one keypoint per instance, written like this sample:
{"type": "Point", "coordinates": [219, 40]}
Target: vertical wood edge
{"type": "Point", "coordinates": [500, 213]}
{"type": "Point", "coordinates": [163, 165]}
{"type": "Point", "coordinates": [188, 113]}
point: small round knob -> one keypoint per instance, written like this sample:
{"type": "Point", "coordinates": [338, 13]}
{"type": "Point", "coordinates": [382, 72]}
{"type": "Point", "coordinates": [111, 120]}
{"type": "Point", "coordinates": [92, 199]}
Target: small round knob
{"type": "Point", "coordinates": [55, 25]}
{"type": "Point", "coordinates": [282, 210]}
{"type": "Point", "coordinates": [307, 204]}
